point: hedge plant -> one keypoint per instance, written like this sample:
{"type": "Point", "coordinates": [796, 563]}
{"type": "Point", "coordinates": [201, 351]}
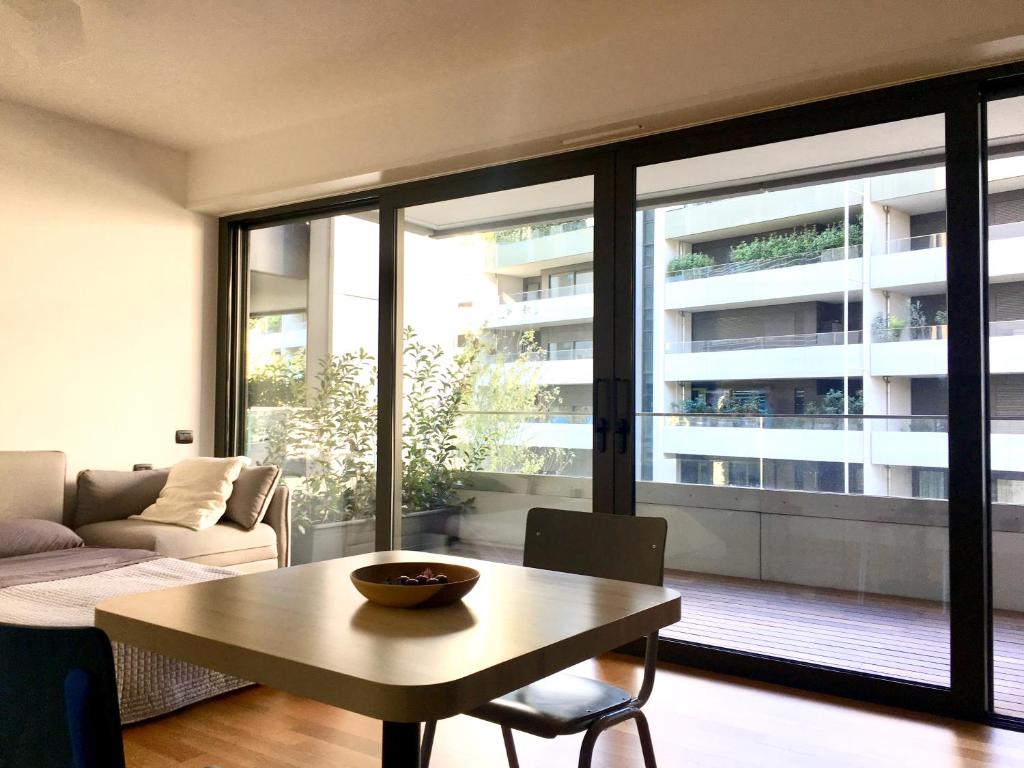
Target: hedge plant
{"type": "Point", "coordinates": [806, 240]}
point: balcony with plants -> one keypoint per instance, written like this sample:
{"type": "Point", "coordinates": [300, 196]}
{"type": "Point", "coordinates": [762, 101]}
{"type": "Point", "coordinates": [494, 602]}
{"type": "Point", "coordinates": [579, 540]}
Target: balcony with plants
{"type": "Point", "coordinates": [829, 429]}
{"type": "Point", "coordinates": [803, 263]}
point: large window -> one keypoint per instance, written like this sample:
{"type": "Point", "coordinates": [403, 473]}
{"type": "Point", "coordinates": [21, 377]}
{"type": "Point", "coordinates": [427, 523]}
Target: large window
{"type": "Point", "coordinates": [795, 345]}
{"type": "Point", "coordinates": [768, 332]}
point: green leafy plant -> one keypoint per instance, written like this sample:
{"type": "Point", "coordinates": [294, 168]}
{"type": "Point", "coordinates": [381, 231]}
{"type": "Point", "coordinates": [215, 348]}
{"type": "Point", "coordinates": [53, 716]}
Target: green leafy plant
{"type": "Point", "coordinates": [887, 327]}
{"type": "Point", "coordinates": [451, 424]}
{"type": "Point", "coordinates": [831, 404]}
{"type": "Point", "coordinates": [282, 381]}
{"type": "Point", "coordinates": [506, 398]}
{"type": "Point", "coordinates": [941, 317]}
{"type": "Point", "coordinates": [335, 434]}
{"type": "Point", "coordinates": [918, 317]}
{"type": "Point", "coordinates": [801, 241]}
{"type": "Point", "coordinates": [725, 404]}
{"type": "Point", "coordinates": [688, 261]}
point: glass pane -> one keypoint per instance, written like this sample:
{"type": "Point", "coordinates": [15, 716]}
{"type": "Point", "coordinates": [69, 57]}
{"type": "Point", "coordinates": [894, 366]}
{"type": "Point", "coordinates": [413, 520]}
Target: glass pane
{"type": "Point", "coordinates": [791, 370]}
{"type": "Point", "coordinates": [497, 404]}
{"type": "Point", "coordinates": [311, 350]}
{"type": "Point", "coordinates": [1006, 396]}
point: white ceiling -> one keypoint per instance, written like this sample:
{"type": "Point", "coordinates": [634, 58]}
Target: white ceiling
{"type": "Point", "coordinates": [193, 73]}
{"type": "Point", "coordinates": [279, 100]}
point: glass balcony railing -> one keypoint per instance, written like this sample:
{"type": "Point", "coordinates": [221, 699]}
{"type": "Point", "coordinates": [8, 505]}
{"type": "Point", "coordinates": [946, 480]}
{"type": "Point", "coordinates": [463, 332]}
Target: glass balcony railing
{"type": "Point", "coordinates": [548, 293]}
{"type": "Point", "coordinates": [916, 243]}
{"type": "Point", "coordinates": [878, 335]}
{"type": "Point", "coordinates": [1008, 425]}
{"type": "Point", "coordinates": [938, 240]}
{"type": "Point", "coordinates": [758, 265]}
{"type": "Point", "coordinates": [583, 353]}
{"type": "Point", "coordinates": [941, 332]}
{"type": "Point", "coordinates": [568, 415]}
{"type": "Point", "coordinates": [1006, 328]}
{"type": "Point", "coordinates": [852, 422]}
{"type": "Point", "coordinates": [913, 333]}
{"type": "Point", "coordinates": [835, 338]}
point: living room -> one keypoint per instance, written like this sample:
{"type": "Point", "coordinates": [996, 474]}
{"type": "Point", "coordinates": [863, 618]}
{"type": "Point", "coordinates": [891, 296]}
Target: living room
{"type": "Point", "coordinates": [750, 272]}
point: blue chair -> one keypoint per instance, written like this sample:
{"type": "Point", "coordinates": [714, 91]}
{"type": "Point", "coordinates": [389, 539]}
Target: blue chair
{"type": "Point", "coordinates": [58, 699]}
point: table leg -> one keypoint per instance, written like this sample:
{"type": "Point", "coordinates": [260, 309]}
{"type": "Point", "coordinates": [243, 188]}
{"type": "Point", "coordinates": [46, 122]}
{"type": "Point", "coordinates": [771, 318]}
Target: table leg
{"type": "Point", "coordinates": [401, 745]}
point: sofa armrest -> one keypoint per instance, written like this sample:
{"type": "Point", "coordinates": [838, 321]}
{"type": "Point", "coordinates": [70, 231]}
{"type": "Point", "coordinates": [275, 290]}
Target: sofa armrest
{"type": "Point", "coordinates": [279, 517]}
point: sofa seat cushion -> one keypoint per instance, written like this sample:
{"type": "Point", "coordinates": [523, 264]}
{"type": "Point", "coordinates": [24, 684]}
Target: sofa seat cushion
{"type": "Point", "coordinates": [221, 544]}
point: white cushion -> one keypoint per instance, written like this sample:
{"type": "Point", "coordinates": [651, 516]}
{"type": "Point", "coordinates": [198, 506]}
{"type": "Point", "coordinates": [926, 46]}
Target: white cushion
{"type": "Point", "coordinates": [196, 493]}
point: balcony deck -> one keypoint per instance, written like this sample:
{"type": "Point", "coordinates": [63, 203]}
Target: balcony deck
{"type": "Point", "coordinates": [896, 637]}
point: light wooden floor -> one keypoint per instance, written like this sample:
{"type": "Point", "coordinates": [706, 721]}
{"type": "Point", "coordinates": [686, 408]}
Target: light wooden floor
{"type": "Point", "coordinates": [698, 721]}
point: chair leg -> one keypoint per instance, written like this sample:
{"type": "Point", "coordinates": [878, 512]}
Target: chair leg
{"type": "Point", "coordinates": [427, 745]}
{"type": "Point", "coordinates": [510, 747]}
{"type": "Point", "coordinates": [646, 744]}
{"type": "Point", "coordinates": [589, 740]}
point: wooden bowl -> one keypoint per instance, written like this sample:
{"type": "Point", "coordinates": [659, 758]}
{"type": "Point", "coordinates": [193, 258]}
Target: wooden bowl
{"type": "Point", "coordinates": [371, 581]}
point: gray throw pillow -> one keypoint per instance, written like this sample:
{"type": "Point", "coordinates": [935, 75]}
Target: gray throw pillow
{"type": "Point", "coordinates": [251, 495]}
{"type": "Point", "coordinates": [116, 494]}
{"type": "Point", "coordinates": [28, 537]}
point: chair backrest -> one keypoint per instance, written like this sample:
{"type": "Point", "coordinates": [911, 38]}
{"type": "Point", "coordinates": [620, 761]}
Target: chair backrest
{"type": "Point", "coordinates": [596, 544]}
{"type": "Point", "coordinates": [58, 699]}
{"type": "Point", "coordinates": [607, 546]}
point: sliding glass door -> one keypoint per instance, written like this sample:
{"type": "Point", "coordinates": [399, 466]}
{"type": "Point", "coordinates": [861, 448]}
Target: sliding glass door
{"type": "Point", "coordinates": [781, 333]}
{"type": "Point", "coordinates": [791, 396]}
{"type": "Point", "coordinates": [1006, 396]}
{"type": "Point", "coordinates": [496, 371]}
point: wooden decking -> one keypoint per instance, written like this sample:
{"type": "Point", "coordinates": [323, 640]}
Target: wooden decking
{"type": "Point", "coordinates": [896, 637]}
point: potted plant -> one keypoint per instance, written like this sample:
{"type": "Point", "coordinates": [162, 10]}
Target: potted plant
{"type": "Point", "coordinates": [332, 437]}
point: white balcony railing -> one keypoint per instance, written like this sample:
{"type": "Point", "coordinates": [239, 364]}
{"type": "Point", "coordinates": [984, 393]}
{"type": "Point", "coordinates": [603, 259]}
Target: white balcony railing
{"type": "Point", "coordinates": [758, 265]}
{"type": "Point", "coordinates": [835, 338]}
{"type": "Point", "coordinates": [906, 441]}
{"type": "Point", "coordinates": [548, 293]}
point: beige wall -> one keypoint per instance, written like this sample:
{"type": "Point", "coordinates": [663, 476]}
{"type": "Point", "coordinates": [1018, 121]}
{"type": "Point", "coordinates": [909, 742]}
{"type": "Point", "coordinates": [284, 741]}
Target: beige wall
{"type": "Point", "coordinates": [107, 296]}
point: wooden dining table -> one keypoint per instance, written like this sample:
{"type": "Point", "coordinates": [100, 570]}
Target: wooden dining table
{"type": "Point", "coordinates": [307, 631]}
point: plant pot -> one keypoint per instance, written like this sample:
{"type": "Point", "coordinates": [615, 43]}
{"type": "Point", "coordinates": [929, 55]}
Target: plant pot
{"type": "Point", "coordinates": [424, 530]}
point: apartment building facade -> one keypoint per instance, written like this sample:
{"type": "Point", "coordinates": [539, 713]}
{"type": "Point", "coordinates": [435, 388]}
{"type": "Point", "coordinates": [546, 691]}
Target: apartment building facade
{"type": "Point", "coordinates": [773, 363]}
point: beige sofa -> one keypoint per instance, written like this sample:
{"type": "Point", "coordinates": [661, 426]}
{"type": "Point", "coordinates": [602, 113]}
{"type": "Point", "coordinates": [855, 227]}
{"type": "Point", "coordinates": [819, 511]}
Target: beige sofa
{"type": "Point", "coordinates": [106, 500]}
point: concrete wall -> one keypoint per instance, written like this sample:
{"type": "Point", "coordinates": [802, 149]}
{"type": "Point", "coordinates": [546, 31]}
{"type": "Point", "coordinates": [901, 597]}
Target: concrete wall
{"type": "Point", "coordinates": [107, 296]}
{"type": "Point", "coordinates": [890, 546]}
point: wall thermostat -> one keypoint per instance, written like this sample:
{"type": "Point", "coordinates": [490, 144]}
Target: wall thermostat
{"type": "Point", "coordinates": [183, 436]}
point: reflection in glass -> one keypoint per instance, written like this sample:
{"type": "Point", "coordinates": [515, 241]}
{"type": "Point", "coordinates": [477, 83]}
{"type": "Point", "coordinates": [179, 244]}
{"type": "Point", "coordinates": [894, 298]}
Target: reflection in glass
{"type": "Point", "coordinates": [791, 383]}
{"type": "Point", "coordinates": [497, 367]}
{"type": "Point", "coordinates": [311, 398]}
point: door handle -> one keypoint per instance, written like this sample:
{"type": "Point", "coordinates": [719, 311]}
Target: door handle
{"type": "Point", "coordinates": [601, 425]}
{"type": "Point", "coordinates": [622, 417]}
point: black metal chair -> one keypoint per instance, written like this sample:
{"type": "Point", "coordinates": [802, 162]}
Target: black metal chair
{"type": "Point", "coordinates": [607, 546]}
{"type": "Point", "coordinates": [58, 699]}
